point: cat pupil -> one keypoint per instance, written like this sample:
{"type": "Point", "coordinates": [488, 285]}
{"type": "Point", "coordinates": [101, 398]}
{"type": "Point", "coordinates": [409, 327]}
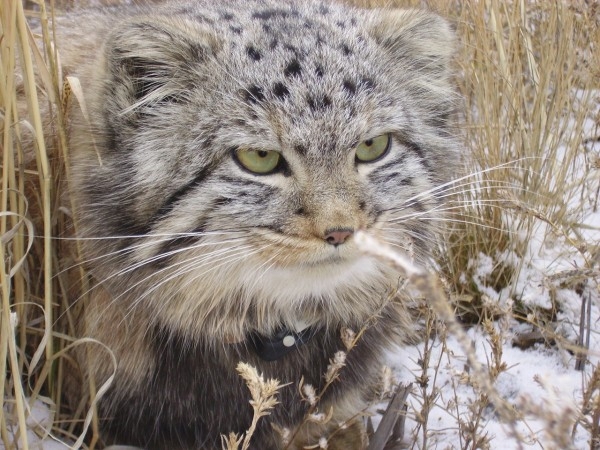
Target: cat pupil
{"type": "Point", "coordinates": [262, 153]}
{"type": "Point", "coordinates": [369, 142]}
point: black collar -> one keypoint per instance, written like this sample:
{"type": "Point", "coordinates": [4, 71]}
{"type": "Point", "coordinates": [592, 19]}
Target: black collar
{"type": "Point", "coordinates": [271, 348]}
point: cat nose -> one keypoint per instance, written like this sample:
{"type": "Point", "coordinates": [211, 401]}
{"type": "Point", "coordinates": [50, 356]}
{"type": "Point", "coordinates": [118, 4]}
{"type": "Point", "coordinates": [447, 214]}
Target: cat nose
{"type": "Point", "coordinates": [338, 236]}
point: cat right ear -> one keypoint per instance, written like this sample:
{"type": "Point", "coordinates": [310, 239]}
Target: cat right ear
{"type": "Point", "coordinates": [417, 39]}
{"type": "Point", "coordinates": [154, 61]}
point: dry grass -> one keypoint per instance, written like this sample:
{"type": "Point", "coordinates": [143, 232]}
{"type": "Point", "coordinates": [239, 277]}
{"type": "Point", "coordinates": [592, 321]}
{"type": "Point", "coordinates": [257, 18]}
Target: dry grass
{"type": "Point", "coordinates": [527, 73]}
{"type": "Point", "coordinates": [527, 79]}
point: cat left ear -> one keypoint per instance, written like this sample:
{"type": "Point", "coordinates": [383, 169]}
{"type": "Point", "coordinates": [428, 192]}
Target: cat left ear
{"type": "Point", "coordinates": [148, 60]}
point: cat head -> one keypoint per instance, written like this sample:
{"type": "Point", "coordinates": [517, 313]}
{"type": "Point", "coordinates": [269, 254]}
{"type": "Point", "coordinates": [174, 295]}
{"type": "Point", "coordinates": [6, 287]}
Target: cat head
{"type": "Point", "coordinates": [234, 154]}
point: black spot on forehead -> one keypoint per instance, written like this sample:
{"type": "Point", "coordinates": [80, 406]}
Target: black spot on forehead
{"type": "Point", "coordinates": [367, 82]}
{"type": "Point", "coordinates": [293, 69]}
{"type": "Point", "coordinates": [290, 48]}
{"type": "Point", "coordinates": [323, 10]}
{"type": "Point", "coordinates": [253, 53]}
{"type": "Point", "coordinates": [236, 30]}
{"type": "Point", "coordinates": [319, 71]}
{"type": "Point", "coordinates": [253, 94]}
{"type": "Point", "coordinates": [269, 14]}
{"type": "Point", "coordinates": [280, 90]}
{"type": "Point", "coordinates": [349, 86]}
{"type": "Point", "coordinates": [318, 102]}
{"type": "Point", "coordinates": [346, 50]}
{"type": "Point", "coordinates": [226, 15]}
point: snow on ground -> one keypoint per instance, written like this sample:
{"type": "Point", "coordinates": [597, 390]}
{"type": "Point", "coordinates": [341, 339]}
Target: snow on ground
{"type": "Point", "coordinates": [541, 381]}
{"type": "Point", "coordinates": [39, 421]}
{"type": "Point", "coordinates": [538, 378]}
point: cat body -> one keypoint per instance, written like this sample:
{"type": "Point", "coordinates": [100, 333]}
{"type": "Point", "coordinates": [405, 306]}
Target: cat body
{"type": "Point", "coordinates": [226, 154]}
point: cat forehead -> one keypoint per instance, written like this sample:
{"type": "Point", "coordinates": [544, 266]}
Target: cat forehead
{"type": "Point", "coordinates": [274, 70]}
{"type": "Point", "coordinates": [294, 68]}
{"type": "Point", "coordinates": [286, 37]}
{"type": "Point", "coordinates": [271, 16]}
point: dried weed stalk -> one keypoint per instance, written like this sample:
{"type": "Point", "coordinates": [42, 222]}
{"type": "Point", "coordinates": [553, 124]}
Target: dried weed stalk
{"type": "Point", "coordinates": [430, 287]}
{"type": "Point", "coordinates": [263, 394]}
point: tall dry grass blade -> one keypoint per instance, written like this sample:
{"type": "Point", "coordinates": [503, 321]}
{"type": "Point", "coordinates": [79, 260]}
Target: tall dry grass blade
{"type": "Point", "coordinates": [11, 244]}
{"type": "Point", "coordinates": [46, 181]}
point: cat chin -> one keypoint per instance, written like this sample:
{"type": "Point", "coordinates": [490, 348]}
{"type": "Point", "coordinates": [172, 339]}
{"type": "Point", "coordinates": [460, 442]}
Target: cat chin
{"type": "Point", "coordinates": [324, 279]}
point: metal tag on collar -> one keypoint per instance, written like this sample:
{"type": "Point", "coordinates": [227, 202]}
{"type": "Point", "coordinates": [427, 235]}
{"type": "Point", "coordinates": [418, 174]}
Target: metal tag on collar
{"type": "Point", "coordinates": [281, 343]}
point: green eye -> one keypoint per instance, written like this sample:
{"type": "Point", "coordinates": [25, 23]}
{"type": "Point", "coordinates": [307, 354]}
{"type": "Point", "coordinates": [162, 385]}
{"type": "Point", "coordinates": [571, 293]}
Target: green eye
{"type": "Point", "coordinates": [258, 161]}
{"type": "Point", "coordinates": [373, 149]}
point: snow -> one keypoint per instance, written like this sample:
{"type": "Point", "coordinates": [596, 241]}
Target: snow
{"type": "Point", "coordinates": [537, 380]}
{"type": "Point", "coordinates": [540, 382]}
{"type": "Point", "coordinates": [39, 422]}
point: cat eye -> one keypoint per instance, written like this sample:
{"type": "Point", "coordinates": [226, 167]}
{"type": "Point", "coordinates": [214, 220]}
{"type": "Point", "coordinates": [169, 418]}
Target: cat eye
{"type": "Point", "coordinates": [373, 149]}
{"type": "Point", "coordinates": [261, 162]}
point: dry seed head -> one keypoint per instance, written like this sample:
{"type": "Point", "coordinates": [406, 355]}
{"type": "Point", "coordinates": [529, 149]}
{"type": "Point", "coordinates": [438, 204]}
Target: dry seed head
{"type": "Point", "coordinates": [348, 338]}
{"type": "Point", "coordinates": [230, 442]}
{"type": "Point", "coordinates": [321, 444]}
{"type": "Point", "coordinates": [318, 417]}
{"type": "Point", "coordinates": [309, 394]}
{"type": "Point", "coordinates": [262, 392]}
{"type": "Point", "coordinates": [284, 433]}
{"type": "Point", "coordinates": [335, 364]}
{"type": "Point", "coordinates": [386, 381]}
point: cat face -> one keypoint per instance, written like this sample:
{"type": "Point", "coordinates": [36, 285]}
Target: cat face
{"type": "Point", "coordinates": [233, 161]}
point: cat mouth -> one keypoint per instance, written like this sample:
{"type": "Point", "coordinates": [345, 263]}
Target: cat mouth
{"type": "Point", "coordinates": [332, 257]}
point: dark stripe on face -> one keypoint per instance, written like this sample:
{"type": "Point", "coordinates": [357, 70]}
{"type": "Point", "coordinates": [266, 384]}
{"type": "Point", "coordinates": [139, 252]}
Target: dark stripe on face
{"type": "Point", "coordinates": [173, 247]}
{"type": "Point", "coordinates": [169, 204]}
{"type": "Point", "coordinates": [394, 164]}
{"type": "Point", "coordinates": [391, 170]}
{"type": "Point", "coordinates": [395, 177]}
{"type": "Point", "coordinates": [417, 206]}
{"type": "Point", "coordinates": [416, 148]}
{"type": "Point", "coordinates": [244, 183]}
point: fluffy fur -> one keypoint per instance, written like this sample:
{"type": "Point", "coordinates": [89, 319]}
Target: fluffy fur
{"type": "Point", "coordinates": [191, 254]}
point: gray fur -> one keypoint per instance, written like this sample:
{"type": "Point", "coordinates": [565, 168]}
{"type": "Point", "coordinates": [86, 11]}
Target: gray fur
{"type": "Point", "coordinates": [196, 253]}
